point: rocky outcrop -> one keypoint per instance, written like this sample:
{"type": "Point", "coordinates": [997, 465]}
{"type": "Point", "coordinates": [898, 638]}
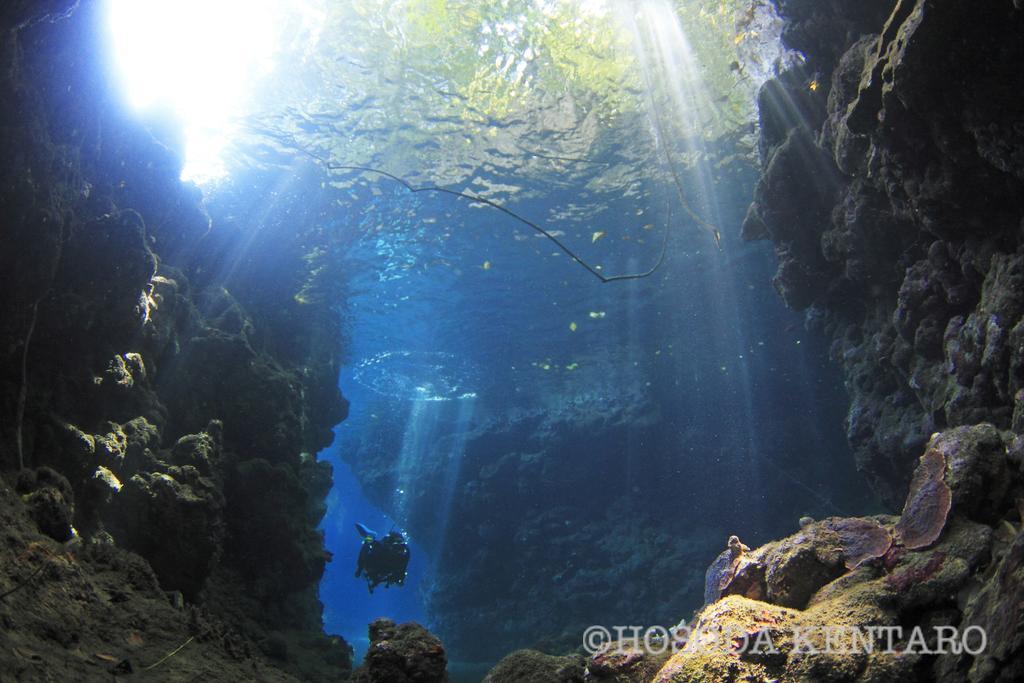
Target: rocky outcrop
{"type": "Point", "coordinates": [894, 200]}
{"type": "Point", "coordinates": [162, 386]}
{"type": "Point", "coordinates": [530, 666]}
{"type": "Point", "coordinates": [402, 653]}
{"type": "Point", "coordinates": [850, 599]}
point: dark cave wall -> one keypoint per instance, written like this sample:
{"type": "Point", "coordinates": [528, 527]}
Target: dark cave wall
{"type": "Point", "coordinates": [159, 380]}
{"type": "Point", "coordinates": [893, 193]}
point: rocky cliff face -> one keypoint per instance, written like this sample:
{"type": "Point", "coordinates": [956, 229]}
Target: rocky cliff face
{"type": "Point", "coordinates": [892, 190]}
{"type": "Point", "coordinates": [162, 390]}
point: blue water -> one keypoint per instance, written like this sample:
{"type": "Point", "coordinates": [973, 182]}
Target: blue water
{"type": "Point", "coordinates": [460, 318]}
{"type": "Point", "coordinates": [348, 605]}
{"type": "Point", "coordinates": [560, 451]}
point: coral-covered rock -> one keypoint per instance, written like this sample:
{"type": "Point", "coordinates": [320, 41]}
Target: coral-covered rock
{"type": "Point", "coordinates": [964, 469]}
{"type": "Point", "coordinates": [721, 642]}
{"type": "Point", "coordinates": [141, 440]}
{"type": "Point", "coordinates": [201, 451]}
{"type": "Point", "coordinates": [830, 637]}
{"type": "Point", "coordinates": [108, 273]}
{"type": "Point", "coordinates": [927, 508]}
{"type": "Point", "coordinates": [796, 567]}
{"type": "Point", "coordinates": [267, 517]}
{"type": "Point", "coordinates": [629, 661]}
{"type": "Point", "coordinates": [977, 470]}
{"type": "Point", "coordinates": [402, 653]}
{"type": "Point", "coordinates": [258, 401]}
{"type": "Point", "coordinates": [748, 579]}
{"type": "Point", "coordinates": [862, 540]}
{"type": "Point", "coordinates": [174, 519]}
{"type": "Point", "coordinates": [917, 272]}
{"type": "Point", "coordinates": [50, 501]}
{"type": "Point", "coordinates": [530, 666]}
{"type": "Point", "coordinates": [995, 608]}
{"type": "Point", "coordinates": [926, 578]}
{"type": "Point", "coordinates": [723, 570]}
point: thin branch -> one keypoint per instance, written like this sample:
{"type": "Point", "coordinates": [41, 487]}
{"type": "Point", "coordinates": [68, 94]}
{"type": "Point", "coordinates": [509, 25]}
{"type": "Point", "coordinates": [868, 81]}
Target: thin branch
{"type": "Point", "coordinates": [169, 655]}
{"type": "Point", "coordinates": [574, 160]}
{"type": "Point", "coordinates": [494, 205]}
{"type": "Point", "coordinates": [24, 582]}
{"type": "Point", "coordinates": [660, 143]}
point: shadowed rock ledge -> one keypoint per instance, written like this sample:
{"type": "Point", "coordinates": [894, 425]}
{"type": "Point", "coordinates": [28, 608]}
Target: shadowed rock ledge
{"type": "Point", "coordinates": [894, 200]}
{"type": "Point", "coordinates": [162, 389]}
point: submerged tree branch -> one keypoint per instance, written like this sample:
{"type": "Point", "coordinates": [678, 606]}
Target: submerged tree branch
{"type": "Point", "coordinates": [475, 198]}
{"type": "Point", "coordinates": [169, 655]}
{"type": "Point", "coordinates": [593, 270]}
{"type": "Point", "coordinates": [24, 582]}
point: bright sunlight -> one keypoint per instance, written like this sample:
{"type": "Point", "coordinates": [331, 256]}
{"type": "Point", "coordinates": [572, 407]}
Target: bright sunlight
{"type": "Point", "coordinates": [201, 61]}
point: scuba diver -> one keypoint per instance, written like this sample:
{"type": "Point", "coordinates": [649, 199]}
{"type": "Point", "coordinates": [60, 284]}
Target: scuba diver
{"type": "Point", "coordinates": [382, 560]}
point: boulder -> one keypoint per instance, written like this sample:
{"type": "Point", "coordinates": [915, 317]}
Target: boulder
{"type": "Point", "coordinates": [402, 653]}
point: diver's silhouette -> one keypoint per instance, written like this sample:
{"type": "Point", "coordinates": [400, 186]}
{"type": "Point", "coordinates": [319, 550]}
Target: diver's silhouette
{"type": "Point", "coordinates": [382, 560]}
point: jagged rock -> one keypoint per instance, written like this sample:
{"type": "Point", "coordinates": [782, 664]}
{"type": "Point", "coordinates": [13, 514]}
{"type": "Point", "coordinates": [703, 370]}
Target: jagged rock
{"type": "Point", "coordinates": [979, 352]}
{"type": "Point", "coordinates": [219, 375]}
{"type": "Point", "coordinates": [104, 254]}
{"type": "Point", "coordinates": [995, 608]}
{"type": "Point", "coordinates": [976, 470]}
{"type": "Point", "coordinates": [530, 666]}
{"type": "Point", "coordinates": [141, 440]}
{"type": "Point", "coordinates": [269, 530]}
{"type": "Point", "coordinates": [796, 567]}
{"type": "Point", "coordinates": [628, 661]}
{"type": "Point", "coordinates": [848, 148]}
{"type": "Point", "coordinates": [785, 103]}
{"type": "Point", "coordinates": [403, 653]}
{"type": "Point", "coordinates": [174, 519]}
{"type": "Point", "coordinates": [1018, 412]}
{"type": "Point", "coordinates": [927, 508]}
{"type": "Point", "coordinates": [722, 571]}
{"type": "Point", "coordinates": [106, 272]}
{"type": "Point", "coordinates": [925, 219]}
{"type": "Point", "coordinates": [50, 501]}
{"type": "Point", "coordinates": [107, 479]}
{"type": "Point", "coordinates": [201, 451]}
{"type": "Point", "coordinates": [111, 447]}
{"type": "Point", "coordinates": [862, 540]}
{"type": "Point", "coordinates": [822, 29]}
{"type": "Point", "coordinates": [797, 169]}
{"type": "Point", "coordinates": [223, 312]}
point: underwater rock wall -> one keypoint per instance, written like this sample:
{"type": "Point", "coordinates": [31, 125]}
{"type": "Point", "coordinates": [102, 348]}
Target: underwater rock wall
{"type": "Point", "coordinates": [893, 191]}
{"type": "Point", "coordinates": [541, 540]}
{"type": "Point", "coordinates": [162, 389]}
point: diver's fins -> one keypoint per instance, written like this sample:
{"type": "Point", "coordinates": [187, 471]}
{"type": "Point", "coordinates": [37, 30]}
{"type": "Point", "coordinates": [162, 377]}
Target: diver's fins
{"type": "Point", "coordinates": [364, 532]}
